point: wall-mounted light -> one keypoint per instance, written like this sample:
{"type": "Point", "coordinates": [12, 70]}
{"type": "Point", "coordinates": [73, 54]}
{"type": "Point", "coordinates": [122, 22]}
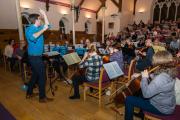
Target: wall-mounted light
{"type": "Point", "coordinates": [25, 6]}
{"type": "Point", "coordinates": [88, 16]}
{"type": "Point", "coordinates": [63, 12]}
{"type": "Point", "coordinates": [141, 10]}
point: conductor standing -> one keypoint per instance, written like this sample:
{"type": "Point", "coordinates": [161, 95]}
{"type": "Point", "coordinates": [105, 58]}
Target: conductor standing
{"type": "Point", "coordinates": [35, 39]}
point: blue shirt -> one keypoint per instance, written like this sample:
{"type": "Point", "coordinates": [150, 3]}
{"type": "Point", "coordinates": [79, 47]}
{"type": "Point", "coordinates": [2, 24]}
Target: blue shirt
{"type": "Point", "coordinates": [35, 45]}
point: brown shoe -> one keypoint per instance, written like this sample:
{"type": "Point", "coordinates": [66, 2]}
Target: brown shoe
{"type": "Point", "coordinates": [45, 100]}
{"type": "Point", "coordinates": [29, 96]}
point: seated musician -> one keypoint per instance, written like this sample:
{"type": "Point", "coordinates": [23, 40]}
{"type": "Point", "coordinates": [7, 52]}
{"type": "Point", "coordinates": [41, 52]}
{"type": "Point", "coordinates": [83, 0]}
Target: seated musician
{"type": "Point", "coordinates": [8, 52]}
{"type": "Point", "coordinates": [128, 51]}
{"type": "Point", "coordinates": [157, 46]}
{"type": "Point", "coordinates": [87, 44]}
{"type": "Point", "coordinates": [92, 62]}
{"type": "Point", "coordinates": [159, 94]}
{"type": "Point", "coordinates": [116, 55]}
{"type": "Point", "coordinates": [108, 46]}
{"type": "Point", "coordinates": [144, 63]}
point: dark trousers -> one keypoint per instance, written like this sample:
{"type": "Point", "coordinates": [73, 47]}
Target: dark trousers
{"type": "Point", "coordinates": [38, 75]}
{"type": "Point", "coordinates": [60, 67]}
{"type": "Point", "coordinates": [145, 105]}
{"type": "Point", "coordinates": [12, 61]}
{"type": "Point", "coordinates": [78, 80]}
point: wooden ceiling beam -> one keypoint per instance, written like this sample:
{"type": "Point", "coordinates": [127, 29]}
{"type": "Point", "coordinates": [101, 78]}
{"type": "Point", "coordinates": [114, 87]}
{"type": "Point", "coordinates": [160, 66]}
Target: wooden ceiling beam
{"type": "Point", "coordinates": [103, 4]}
{"type": "Point", "coordinates": [118, 5]}
{"type": "Point", "coordinates": [80, 4]}
{"type": "Point", "coordinates": [47, 5]}
{"type": "Point", "coordinates": [134, 9]}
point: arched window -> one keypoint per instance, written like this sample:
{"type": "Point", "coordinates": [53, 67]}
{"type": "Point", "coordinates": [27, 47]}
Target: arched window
{"type": "Point", "coordinates": [87, 26]}
{"type": "Point", "coordinates": [62, 27]}
{"type": "Point", "coordinates": [178, 14]}
{"type": "Point", "coordinates": [166, 9]}
{"type": "Point", "coordinates": [25, 19]}
{"type": "Point", "coordinates": [156, 13]}
{"type": "Point", "coordinates": [172, 11]}
{"type": "Point", "coordinates": [164, 12]}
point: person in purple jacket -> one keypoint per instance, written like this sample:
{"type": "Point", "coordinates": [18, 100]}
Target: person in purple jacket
{"type": "Point", "coordinates": [159, 93]}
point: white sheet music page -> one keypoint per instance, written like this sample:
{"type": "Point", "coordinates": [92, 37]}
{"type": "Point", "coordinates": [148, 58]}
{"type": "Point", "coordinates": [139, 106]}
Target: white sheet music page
{"type": "Point", "coordinates": [113, 70]}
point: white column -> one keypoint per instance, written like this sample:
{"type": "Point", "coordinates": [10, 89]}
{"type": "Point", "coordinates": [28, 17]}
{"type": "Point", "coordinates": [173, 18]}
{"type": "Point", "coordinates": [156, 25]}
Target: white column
{"type": "Point", "coordinates": [160, 7]}
{"type": "Point", "coordinates": [176, 12]}
{"type": "Point", "coordinates": [103, 23]}
{"type": "Point", "coordinates": [73, 21]}
{"type": "Point", "coordinates": [19, 18]}
{"type": "Point", "coordinates": [168, 5]}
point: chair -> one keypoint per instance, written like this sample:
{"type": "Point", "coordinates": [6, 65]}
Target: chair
{"type": "Point", "coordinates": [174, 116]}
{"type": "Point", "coordinates": [26, 73]}
{"type": "Point", "coordinates": [130, 72]}
{"type": "Point", "coordinates": [124, 80]}
{"type": "Point", "coordinates": [103, 84]}
{"type": "Point", "coordinates": [6, 63]}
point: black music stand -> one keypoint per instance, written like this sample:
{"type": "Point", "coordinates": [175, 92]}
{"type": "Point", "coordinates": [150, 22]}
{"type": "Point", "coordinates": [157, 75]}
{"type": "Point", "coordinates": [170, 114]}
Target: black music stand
{"type": "Point", "coordinates": [48, 56]}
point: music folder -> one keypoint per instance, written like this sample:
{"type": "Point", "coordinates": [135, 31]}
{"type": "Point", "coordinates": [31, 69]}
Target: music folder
{"type": "Point", "coordinates": [72, 58]}
{"type": "Point", "coordinates": [51, 54]}
{"type": "Point", "coordinates": [113, 70]}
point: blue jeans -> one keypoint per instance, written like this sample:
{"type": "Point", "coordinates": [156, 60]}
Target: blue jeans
{"type": "Point", "coordinates": [145, 105]}
{"type": "Point", "coordinates": [38, 75]}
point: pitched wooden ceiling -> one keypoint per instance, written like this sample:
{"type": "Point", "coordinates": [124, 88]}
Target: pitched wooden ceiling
{"type": "Point", "coordinates": [88, 4]}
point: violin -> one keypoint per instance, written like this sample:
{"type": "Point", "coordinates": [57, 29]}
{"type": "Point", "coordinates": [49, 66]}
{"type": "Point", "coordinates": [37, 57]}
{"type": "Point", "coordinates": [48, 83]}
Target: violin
{"type": "Point", "coordinates": [106, 58]}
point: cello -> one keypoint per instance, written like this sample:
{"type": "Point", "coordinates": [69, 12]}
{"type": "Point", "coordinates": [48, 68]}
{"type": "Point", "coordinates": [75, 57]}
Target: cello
{"type": "Point", "coordinates": [128, 89]}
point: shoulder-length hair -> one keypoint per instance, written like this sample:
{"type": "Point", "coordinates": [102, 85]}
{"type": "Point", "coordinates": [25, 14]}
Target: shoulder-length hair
{"type": "Point", "coordinates": [164, 60]}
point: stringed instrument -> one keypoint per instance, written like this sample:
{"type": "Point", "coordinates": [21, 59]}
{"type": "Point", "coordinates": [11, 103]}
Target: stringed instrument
{"type": "Point", "coordinates": [130, 88]}
{"type": "Point", "coordinates": [106, 58]}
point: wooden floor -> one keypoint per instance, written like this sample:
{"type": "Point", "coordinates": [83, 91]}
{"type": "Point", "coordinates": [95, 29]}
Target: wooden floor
{"type": "Point", "coordinates": [13, 98]}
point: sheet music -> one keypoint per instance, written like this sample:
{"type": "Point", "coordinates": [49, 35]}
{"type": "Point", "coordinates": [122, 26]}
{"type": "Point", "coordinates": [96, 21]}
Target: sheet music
{"type": "Point", "coordinates": [78, 46]}
{"type": "Point", "coordinates": [71, 58]}
{"type": "Point", "coordinates": [113, 70]}
{"type": "Point", "coordinates": [52, 53]}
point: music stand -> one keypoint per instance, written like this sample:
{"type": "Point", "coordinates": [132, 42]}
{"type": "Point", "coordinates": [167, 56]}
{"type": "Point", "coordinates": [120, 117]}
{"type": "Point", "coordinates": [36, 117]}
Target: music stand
{"type": "Point", "coordinates": [114, 72]}
{"type": "Point", "coordinates": [48, 56]}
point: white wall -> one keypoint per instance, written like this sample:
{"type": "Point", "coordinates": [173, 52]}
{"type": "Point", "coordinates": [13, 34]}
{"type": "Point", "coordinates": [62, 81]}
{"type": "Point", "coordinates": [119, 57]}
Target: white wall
{"type": "Point", "coordinates": [121, 20]}
{"type": "Point", "coordinates": [8, 18]}
{"type": "Point", "coordinates": [110, 9]}
{"type": "Point", "coordinates": [143, 10]}
{"type": "Point", "coordinates": [55, 13]}
{"type": "Point", "coordinates": [127, 13]}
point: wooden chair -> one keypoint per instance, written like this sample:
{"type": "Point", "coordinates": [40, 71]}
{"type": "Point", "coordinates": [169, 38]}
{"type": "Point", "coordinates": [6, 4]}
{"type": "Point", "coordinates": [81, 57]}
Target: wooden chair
{"type": "Point", "coordinates": [124, 80]}
{"type": "Point", "coordinates": [26, 72]}
{"type": "Point", "coordinates": [6, 63]}
{"type": "Point", "coordinates": [131, 71]}
{"type": "Point", "coordinates": [104, 83]}
{"type": "Point", "coordinates": [174, 116]}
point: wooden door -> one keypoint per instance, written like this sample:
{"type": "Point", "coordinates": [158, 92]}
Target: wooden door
{"type": "Point", "coordinates": [99, 31]}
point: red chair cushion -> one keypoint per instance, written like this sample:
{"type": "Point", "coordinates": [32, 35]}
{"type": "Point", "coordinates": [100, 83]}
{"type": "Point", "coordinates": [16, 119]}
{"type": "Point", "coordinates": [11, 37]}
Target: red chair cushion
{"type": "Point", "coordinates": [174, 116]}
